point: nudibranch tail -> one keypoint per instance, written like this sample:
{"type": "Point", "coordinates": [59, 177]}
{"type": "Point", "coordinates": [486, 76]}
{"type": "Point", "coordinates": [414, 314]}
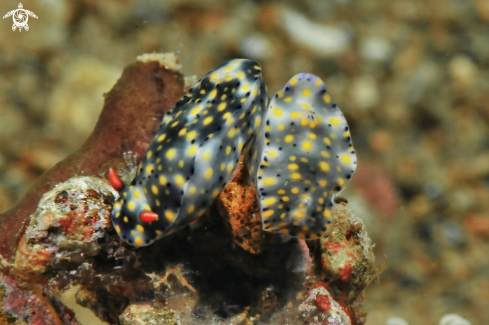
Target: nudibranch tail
{"type": "Point", "coordinates": [307, 157]}
{"type": "Point", "coordinates": [194, 153]}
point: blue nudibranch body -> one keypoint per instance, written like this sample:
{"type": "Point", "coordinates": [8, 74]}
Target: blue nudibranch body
{"type": "Point", "coordinates": [297, 150]}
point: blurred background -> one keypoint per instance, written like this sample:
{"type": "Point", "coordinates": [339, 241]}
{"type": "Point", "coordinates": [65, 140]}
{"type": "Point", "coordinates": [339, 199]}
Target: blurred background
{"type": "Point", "coordinates": [412, 78]}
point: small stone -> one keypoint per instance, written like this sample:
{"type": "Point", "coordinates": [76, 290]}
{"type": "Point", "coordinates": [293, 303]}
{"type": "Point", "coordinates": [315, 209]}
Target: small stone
{"type": "Point", "coordinates": [477, 224]}
{"type": "Point", "coordinates": [365, 92]}
{"type": "Point", "coordinates": [462, 71]}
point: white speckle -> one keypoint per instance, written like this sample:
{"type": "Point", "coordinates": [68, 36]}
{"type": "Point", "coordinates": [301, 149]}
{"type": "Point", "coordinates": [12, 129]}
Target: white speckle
{"type": "Point", "coordinates": [255, 47]}
{"type": "Point", "coordinates": [453, 319]}
{"type": "Point", "coordinates": [376, 49]}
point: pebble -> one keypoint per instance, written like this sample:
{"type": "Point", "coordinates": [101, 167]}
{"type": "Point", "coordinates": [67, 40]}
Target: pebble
{"type": "Point", "coordinates": [463, 72]}
{"type": "Point", "coordinates": [375, 49]}
{"type": "Point", "coordinates": [396, 321]}
{"type": "Point", "coordinates": [327, 40]}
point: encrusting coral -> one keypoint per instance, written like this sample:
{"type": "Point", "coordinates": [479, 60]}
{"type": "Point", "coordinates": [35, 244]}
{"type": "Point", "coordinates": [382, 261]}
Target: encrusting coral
{"type": "Point", "coordinates": [223, 268]}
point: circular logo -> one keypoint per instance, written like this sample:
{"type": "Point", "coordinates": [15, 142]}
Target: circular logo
{"type": "Point", "coordinates": [20, 18]}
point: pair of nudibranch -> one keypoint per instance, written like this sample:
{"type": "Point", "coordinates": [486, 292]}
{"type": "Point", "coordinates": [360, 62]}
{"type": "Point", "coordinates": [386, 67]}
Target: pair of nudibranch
{"type": "Point", "coordinates": [297, 153]}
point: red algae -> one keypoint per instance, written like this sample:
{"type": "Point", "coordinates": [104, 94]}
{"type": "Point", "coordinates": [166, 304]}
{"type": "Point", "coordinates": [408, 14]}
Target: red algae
{"type": "Point", "coordinates": [323, 303]}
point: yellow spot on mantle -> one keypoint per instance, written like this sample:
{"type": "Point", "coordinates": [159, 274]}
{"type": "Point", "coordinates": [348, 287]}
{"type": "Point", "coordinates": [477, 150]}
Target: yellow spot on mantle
{"type": "Point", "coordinates": [324, 166]}
{"type": "Point", "coordinates": [208, 120]}
{"type": "Point", "coordinates": [346, 159]}
{"type": "Point", "coordinates": [170, 154]}
{"type": "Point", "coordinates": [295, 114]}
{"type": "Point", "coordinates": [269, 181]}
{"type": "Point", "coordinates": [179, 180]}
{"type": "Point", "coordinates": [169, 215]}
{"type": "Point", "coordinates": [277, 112]}
{"type": "Point", "coordinates": [293, 166]}
{"type": "Point", "coordinates": [270, 201]}
{"type": "Point", "coordinates": [182, 132]}
{"type": "Point", "coordinates": [296, 176]}
{"type": "Point", "coordinates": [267, 214]}
{"type": "Point", "coordinates": [208, 173]}
{"type": "Point", "coordinates": [334, 121]}
{"type": "Point", "coordinates": [191, 135]}
{"type": "Point", "coordinates": [221, 107]}
{"type": "Point", "coordinates": [306, 145]}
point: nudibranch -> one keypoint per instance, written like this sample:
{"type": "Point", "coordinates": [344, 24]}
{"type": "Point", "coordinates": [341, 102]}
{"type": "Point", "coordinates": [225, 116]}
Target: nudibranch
{"type": "Point", "coordinates": [193, 154]}
{"type": "Point", "coordinates": [308, 156]}
{"type": "Point", "coordinates": [298, 152]}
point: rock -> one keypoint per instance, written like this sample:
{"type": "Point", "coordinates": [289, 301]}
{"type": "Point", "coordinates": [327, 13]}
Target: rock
{"type": "Point", "coordinates": [68, 224]}
{"type": "Point", "coordinates": [149, 314]}
{"type": "Point", "coordinates": [347, 256]}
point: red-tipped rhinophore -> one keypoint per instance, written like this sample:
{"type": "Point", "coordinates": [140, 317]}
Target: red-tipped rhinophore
{"type": "Point", "coordinates": [148, 216]}
{"type": "Point", "coordinates": [115, 180]}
